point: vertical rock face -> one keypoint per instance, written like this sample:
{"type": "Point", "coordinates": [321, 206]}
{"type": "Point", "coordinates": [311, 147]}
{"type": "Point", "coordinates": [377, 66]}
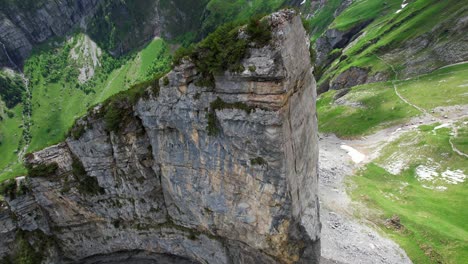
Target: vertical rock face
{"type": "Point", "coordinates": [22, 25]}
{"type": "Point", "coordinates": [118, 26]}
{"type": "Point", "coordinates": [166, 188]}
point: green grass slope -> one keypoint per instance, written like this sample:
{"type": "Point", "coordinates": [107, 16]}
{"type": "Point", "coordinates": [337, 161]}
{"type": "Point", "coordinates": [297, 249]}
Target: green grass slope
{"type": "Point", "coordinates": [432, 211]}
{"type": "Point", "coordinates": [58, 98]}
{"type": "Point", "coordinates": [389, 31]}
{"type": "Point", "coordinates": [370, 107]}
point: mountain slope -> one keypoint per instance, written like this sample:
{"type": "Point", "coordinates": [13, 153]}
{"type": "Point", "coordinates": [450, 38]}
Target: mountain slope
{"type": "Point", "coordinates": [372, 37]}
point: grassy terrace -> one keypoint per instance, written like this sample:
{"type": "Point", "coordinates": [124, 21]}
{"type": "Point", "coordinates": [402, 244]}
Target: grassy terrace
{"type": "Point", "coordinates": [404, 194]}
{"type": "Point", "coordinates": [443, 87]}
{"type": "Point", "coordinates": [373, 106]}
{"type": "Point", "coordinates": [432, 212]}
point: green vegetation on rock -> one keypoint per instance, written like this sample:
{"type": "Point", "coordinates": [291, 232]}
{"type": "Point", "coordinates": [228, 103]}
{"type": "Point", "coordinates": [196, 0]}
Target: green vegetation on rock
{"type": "Point", "coordinates": [258, 161]}
{"type": "Point", "coordinates": [42, 170]}
{"type": "Point", "coordinates": [11, 89]}
{"type": "Point", "coordinates": [220, 11]}
{"type": "Point", "coordinates": [31, 247]}
{"type": "Point", "coordinates": [223, 49]}
{"type": "Point", "coordinates": [219, 104]}
{"type": "Point", "coordinates": [11, 189]}
{"type": "Point", "coordinates": [86, 184]}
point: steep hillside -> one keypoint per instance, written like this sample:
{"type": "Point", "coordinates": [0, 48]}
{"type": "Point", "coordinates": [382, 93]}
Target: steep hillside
{"type": "Point", "coordinates": [374, 41]}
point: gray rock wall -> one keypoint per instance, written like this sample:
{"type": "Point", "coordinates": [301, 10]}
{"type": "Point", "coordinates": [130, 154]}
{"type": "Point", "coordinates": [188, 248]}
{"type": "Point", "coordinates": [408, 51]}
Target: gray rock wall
{"type": "Point", "coordinates": [22, 28]}
{"type": "Point", "coordinates": [173, 192]}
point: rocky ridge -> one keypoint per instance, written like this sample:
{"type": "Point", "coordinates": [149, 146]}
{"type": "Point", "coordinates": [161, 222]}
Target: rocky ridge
{"type": "Point", "coordinates": [162, 187]}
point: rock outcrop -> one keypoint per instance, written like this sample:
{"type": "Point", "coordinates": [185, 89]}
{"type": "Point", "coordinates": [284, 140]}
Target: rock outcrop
{"type": "Point", "coordinates": [23, 25]}
{"type": "Point", "coordinates": [164, 188]}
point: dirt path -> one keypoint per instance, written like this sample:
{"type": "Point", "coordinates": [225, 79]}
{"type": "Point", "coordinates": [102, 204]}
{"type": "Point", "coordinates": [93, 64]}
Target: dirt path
{"type": "Point", "coordinates": [344, 238]}
{"type": "Point", "coordinates": [422, 110]}
{"type": "Point", "coordinates": [455, 134]}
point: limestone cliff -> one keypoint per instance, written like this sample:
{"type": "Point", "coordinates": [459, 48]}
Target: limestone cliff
{"type": "Point", "coordinates": [163, 187]}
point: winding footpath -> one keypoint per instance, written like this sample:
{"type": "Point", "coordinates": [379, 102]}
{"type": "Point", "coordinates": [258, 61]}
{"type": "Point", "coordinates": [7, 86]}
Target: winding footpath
{"type": "Point", "coordinates": [451, 124]}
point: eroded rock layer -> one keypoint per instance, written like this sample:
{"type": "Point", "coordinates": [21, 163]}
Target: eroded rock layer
{"type": "Point", "coordinates": [165, 188]}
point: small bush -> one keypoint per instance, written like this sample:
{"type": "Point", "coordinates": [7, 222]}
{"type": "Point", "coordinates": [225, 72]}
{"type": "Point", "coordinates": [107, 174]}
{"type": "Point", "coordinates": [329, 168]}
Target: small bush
{"type": "Point", "coordinates": [86, 184]}
{"type": "Point", "coordinates": [114, 115]}
{"type": "Point", "coordinates": [206, 81]}
{"type": "Point", "coordinates": [259, 31]}
{"type": "Point", "coordinates": [252, 68]}
{"type": "Point", "coordinates": [219, 104]}
{"type": "Point", "coordinates": [77, 131]}
{"type": "Point", "coordinates": [212, 127]}
{"type": "Point", "coordinates": [307, 25]}
{"type": "Point", "coordinates": [258, 161]}
{"type": "Point", "coordinates": [166, 81]}
{"type": "Point", "coordinates": [8, 188]}
{"type": "Point", "coordinates": [181, 53]}
{"type": "Point", "coordinates": [10, 114]}
{"type": "Point", "coordinates": [313, 55]}
{"type": "Point", "coordinates": [42, 170]}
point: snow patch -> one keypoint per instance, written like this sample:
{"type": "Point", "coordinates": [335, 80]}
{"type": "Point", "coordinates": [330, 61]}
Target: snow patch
{"type": "Point", "coordinates": [442, 126]}
{"type": "Point", "coordinates": [426, 173]}
{"type": "Point", "coordinates": [395, 163]}
{"type": "Point", "coordinates": [429, 173]}
{"type": "Point", "coordinates": [453, 177]}
{"type": "Point", "coordinates": [356, 156]}
{"type": "Point", "coordinates": [303, 2]}
{"type": "Point", "coordinates": [403, 5]}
